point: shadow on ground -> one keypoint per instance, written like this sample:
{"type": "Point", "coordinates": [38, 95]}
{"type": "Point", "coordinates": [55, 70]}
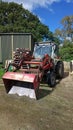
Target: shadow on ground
{"type": "Point", "coordinates": [66, 74]}
{"type": "Point", "coordinates": [43, 92]}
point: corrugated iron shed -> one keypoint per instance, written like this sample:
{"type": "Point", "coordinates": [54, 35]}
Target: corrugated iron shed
{"type": "Point", "coordinates": [10, 41]}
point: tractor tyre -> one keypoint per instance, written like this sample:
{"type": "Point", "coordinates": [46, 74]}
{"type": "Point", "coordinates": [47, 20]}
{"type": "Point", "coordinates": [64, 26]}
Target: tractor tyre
{"type": "Point", "coordinates": [59, 70]}
{"type": "Point", "coordinates": [51, 79]}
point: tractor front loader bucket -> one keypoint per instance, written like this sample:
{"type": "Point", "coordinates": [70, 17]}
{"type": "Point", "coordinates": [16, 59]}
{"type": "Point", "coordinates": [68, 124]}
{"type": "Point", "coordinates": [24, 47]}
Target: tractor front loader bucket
{"type": "Point", "coordinates": [21, 84]}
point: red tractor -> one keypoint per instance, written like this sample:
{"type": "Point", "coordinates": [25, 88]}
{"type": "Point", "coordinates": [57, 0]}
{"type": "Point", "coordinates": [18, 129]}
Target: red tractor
{"type": "Point", "coordinates": [30, 70]}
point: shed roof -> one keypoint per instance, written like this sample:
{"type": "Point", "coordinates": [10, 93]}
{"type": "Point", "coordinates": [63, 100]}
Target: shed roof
{"type": "Point", "coordinates": [15, 33]}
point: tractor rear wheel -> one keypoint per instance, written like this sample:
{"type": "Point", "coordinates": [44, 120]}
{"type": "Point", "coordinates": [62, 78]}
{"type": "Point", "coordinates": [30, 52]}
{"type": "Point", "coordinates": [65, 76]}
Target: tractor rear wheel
{"type": "Point", "coordinates": [60, 70]}
{"type": "Point", "coordinates": [51, 79]}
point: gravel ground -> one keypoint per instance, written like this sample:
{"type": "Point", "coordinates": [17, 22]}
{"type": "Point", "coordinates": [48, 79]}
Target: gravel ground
{"type": "Point", "coordinates": [52, 111]}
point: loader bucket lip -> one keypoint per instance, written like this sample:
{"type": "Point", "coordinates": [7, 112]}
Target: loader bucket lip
{"type": "Point", "coordinates": [19, 76]}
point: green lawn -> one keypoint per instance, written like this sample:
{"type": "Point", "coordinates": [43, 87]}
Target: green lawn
{"type": "Point", "coordinates": [1, 71]}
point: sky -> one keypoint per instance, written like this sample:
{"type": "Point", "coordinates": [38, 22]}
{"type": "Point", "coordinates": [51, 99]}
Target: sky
{"type": "Point", "coordinates": [50, 12]}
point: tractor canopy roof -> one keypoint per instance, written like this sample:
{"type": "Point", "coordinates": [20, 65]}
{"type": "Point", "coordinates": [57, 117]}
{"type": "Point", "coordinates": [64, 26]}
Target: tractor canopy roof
{"type": "Point", "coordinates": [41, 49]}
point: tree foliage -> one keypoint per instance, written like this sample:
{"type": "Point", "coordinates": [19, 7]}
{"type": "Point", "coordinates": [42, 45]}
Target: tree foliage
{"type": "Point", "coordinates": [14, 18]}
{"type": "Point", "coordinates": [67, 23]}
{"type": "Point", "coordinates": [65, 34]}
{"type": "Point", "coordinates": [67, 28]}
{"type": "Point", "coordinates": [66, 51]}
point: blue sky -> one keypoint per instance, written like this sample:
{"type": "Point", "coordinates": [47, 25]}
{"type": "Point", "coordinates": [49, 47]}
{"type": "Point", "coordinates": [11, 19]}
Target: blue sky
{"type": "Point", "coordinates": [50, 12]}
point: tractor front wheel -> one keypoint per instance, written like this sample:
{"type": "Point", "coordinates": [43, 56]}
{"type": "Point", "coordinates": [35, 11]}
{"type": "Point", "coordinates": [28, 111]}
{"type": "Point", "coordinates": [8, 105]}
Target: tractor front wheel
{"type": "Point", "coordinates": [51, 79]}
{"type": "Point", "coordinates": [60, 70]}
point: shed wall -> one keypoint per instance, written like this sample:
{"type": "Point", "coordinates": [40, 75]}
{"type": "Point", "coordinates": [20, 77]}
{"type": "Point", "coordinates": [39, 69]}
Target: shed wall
{"type": "Point", "coordinates": [20, 41]}
{"type": "Point", "coordinates": [6, 47]}
{"type": "Point", "coordinates": [9, 42]}
{"type": "Point", "coordinates": [0, 51]}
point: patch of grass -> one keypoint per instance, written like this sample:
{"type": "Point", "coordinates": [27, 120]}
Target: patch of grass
{"type": "Point", "coordinates": [1, 71]}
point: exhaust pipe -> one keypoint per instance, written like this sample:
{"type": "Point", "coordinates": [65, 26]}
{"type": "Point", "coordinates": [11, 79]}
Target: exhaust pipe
{"type": "Point", "coordinates": [21, 83]}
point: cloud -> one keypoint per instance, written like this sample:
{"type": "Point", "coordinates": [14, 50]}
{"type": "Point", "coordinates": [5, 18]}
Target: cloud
{"type": "Point", "coordinates": [51, 10]}
{"type": "Point", "coordinates": [33, 4]}
{"type": "Point", "coordinates": [41, 19]}
{"type": "Point", "coordinates": [69, 1]}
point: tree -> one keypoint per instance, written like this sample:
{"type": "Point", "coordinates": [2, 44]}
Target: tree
{"type": "Point", "coordinates": [66, 51]}
{"type": "Point", "coordinates": [66, 32]}
{"type": "Point", "coordinates": [67, 23]}
{"type": "Point", "coordinates": [14, 18]}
